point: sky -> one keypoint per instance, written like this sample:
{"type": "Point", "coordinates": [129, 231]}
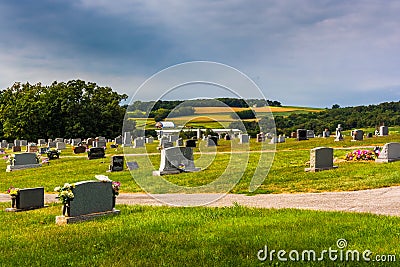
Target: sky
{"type": "Point", "coordinates": [298, 52]}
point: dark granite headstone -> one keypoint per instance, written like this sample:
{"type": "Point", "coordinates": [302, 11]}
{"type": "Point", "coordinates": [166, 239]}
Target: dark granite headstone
{"type": "Point", "coordinates": [30, 198]}
{"type": "Point", "coordinates": [79, 149]}
{"type": "Point", "coordinates": [91, 197]}
{"type": "Point", "coordinates": [117, 163]}
{"type": "Point", "coordinates": [16, 149]}
{"type": "Point", "coordinates": [53, 154]}
{"type": "Point", "coordinates": [190, 143]}
{"type": "Point", "coordinates": [301, 134]}
{"type": "Point", "coordinates": [96, 153]}
{"type": "Point", "coordinates": [43, 150]}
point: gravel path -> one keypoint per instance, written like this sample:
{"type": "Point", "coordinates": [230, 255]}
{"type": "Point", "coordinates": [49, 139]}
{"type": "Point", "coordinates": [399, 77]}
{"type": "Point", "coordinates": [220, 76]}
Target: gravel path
{"type": "Point", "coordinates": [383, 201]}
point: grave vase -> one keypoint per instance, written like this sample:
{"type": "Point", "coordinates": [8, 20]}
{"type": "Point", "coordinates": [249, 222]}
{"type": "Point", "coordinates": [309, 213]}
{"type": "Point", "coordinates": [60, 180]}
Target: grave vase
{"type": "Point", "coordinates": [113, 201]}
{"type": "Point", "coordinates": [14, 201]}
{"type": "Point", "coordinates": [67, 209]}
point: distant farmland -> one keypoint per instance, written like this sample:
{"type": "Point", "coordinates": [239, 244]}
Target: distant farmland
{"type": "Point", "coordinates": [219, 117]}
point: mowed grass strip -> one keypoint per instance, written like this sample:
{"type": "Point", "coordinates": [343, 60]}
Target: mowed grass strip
{"type": "Point", "coordinates": [166, 236]}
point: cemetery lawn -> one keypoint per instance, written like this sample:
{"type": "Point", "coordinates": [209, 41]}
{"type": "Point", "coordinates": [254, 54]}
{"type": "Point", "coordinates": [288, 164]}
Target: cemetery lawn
{"type": "Point", "coordinates": [166, 236]}
{"type": "Point", "coordinates": [286, 175]}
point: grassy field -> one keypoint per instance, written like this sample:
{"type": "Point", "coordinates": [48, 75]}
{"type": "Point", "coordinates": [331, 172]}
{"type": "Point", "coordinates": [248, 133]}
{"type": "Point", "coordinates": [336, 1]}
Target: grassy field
{"type": "Point", "coordinates": [231, 236]}
{"type": "Point", "coordinates": [285, 176]}
{"type": "Point", "coordinates": [165, 236]}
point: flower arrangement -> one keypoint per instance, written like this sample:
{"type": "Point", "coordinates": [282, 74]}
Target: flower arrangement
{"type": "Point", "coordinates": [65, 193]}
{"type": "Point", "coordinates": [10, 159]}
{"type": "Point", "coordinates": [358, 155]}
{"type": "Point", "coordinates": [13, 192]}
{"type": "Point", "coordinates": [116, 186]}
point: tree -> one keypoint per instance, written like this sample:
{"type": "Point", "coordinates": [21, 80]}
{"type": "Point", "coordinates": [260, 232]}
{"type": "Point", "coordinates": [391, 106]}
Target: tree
{"type": "Point", "coordinates": [72, 109]}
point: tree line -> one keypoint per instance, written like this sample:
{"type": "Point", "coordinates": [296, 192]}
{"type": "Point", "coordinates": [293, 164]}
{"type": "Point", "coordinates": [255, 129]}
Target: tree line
{"type": "Point", "coordinates": [371, 116]}
{"type": "Point", "coordinates": [63, 109]}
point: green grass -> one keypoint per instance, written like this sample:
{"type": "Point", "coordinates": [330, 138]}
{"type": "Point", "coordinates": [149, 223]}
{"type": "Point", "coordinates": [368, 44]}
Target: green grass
{"type": "Point", "coordinates": [165, 236]}
{"type": "Point", "coordinates": [286, 175]}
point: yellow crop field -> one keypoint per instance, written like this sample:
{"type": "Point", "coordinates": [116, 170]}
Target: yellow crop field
{"type": "Point", "coordinates": [211, 110]}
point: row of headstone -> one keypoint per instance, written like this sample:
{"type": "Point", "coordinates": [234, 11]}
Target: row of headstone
{"type": "Point", "coordinates": [278, 139]}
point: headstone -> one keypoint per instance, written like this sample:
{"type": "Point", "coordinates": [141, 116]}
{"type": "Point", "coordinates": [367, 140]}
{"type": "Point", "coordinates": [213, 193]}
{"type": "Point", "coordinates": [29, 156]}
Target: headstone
{"type": "Point", "coordinates": [10, 145]}
{"type": "Point", "coordinates": [358, 135]}
{"type": "Point", "coordinates": [321, 158]}
{"type": "Point", "coordinates": [260, 137]}
{"type": "Point", "coordinates": [43, 150]}
{"type": "Point", "coordinates": [79, 149]}
{"type": "Point", "coordinates": [127, 139]}
{"type": "Point", "coordinates": [53, 154]}
{"type": "Point", "coordinates": [16, 149]}
{"type": "Point", "coordinates": [390, 152]}
{"type": "Point", "coordinates": [23, 161]}
{"type": "Point", "coordinates": [76, 141]}
{"type": "Point", "coordinates": [212, 141]}
{"type": "Point", "coordinates": [227, 137]}
{"type": "Point", "coordinates": [49, 140]}
{"type": "Point", "coordinates": [301, 134]}
{"type": "Point", "coordinates": [138, 142]}
{"type": "Point", "coordinates": [274, 140]}
{"type": "Point", "coordinates": [132, 165]}
{"type": "Point", "coordinates": [117, 163]}
{"type": "Point", "coordinates": [59, 140]}
{"type": "Point", "coordinates": [370, 135]}
{"type": "Point", "coordinates": [339, 136]}
{"type": "Point", "coordinates": [293, 135]}
{"type": "Point", "coordinates": [60, 145]}
{"type": "Point", "coordinates": [244, 139]}
{"type": "Point", "coordinates": [383, 130]}
{"type": "Point", "coordinates": [281, 139]}
{"type": "Point", "coordinates": [32, 149]}
{"type": "Point", "coordinates": [23, 143]}
{"type": "Point", "coordinates": [89, 142]}
{"type": "Point", "coordinates": [17, 143]}
{"type": "Point", "coordinates": [175, 160]}
{"type": "Point", "coordinates": [326, 133]}
{"type": "Point", "coordinates": [91, 199]}
{"type": "Point", "coordinates": [96, 153]}
{"type": "Point", "coordinates": [52, 144]}
{"type": "Point", "coordinates": [179, 142]}
{"type": "Point", "coordinates": [101, 141]}
{"type": "Point", "coordinates": [310, 134]}
{"type": "Point", "coordinates": [4, 144]}
{"type": "Point", "coordinates": [150, 140]}
{"type": "Point", "coordinates": [29, 198]}
{"type": "Point", "coordinates": [190, 143]}
{"type": "Point", "coordinates": [118, 140]}
{"type": "Point", "coordinates": [41, 142]}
